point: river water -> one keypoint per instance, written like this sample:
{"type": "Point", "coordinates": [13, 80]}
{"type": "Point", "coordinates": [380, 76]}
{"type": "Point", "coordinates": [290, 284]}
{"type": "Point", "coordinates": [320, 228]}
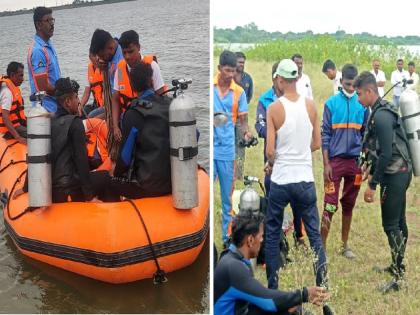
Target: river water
{"type": "Point", "coordinates": [177, 32]}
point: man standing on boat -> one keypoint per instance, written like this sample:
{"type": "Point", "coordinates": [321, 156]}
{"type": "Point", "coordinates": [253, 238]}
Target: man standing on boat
{"type": "Point", "coordinates": [43, 66]}
{"type": "Point", "coordinates": [230, 99]}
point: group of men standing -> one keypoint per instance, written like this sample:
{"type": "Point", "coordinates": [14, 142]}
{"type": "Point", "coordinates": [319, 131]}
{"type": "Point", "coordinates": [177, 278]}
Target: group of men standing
{"type": "Point", "coordinates": [355, 119]}
{"type": "Point", "coordinates": [128, 92]}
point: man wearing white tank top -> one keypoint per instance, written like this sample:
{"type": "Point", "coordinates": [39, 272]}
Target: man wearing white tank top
{"type": "Point", "coordinates": [293, 133]}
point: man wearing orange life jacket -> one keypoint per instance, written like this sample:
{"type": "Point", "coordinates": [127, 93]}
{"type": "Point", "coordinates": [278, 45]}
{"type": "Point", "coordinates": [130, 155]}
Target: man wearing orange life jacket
{"type": "Point", "coordinates": [95, 80]}
{"type": "Point", "coordinates": [12, 117]}
{"type": "Point", "coordinates": [123, 93]}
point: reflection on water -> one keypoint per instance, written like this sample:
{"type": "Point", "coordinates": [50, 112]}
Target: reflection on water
{"type": "Point", "coordinates": [178, 33]}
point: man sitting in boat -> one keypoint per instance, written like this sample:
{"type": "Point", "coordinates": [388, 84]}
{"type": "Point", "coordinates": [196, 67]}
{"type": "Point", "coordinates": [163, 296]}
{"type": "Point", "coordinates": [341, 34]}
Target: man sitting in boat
{"type": "Point", "coordinates": [143, 166]}
{"type": "Point", "coordinates": [71, 176]}
{"type": "Point", "coordinates": [12, 116]}
{"type": "Point", "coordinates": [123, 93]}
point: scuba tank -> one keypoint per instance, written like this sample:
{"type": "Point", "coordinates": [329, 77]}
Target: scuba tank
{"type": "Point", "coordinates": [39, 153]}
{"type": "Point", "coordinates": [249, 198]}
{"type": "Point", "coordinates": [184, 149]}
{"type": "Point", "coordinates": [410, 115]}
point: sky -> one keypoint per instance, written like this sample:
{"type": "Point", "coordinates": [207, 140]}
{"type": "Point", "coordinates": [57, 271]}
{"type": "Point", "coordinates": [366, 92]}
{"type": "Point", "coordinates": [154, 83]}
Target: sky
{"type": "Point", "coordinates": [12, 5]}
{"type": "Point", "coordinates": [389, 18]}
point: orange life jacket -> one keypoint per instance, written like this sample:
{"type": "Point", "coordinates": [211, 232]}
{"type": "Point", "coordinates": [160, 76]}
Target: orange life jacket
{"type": "Point", "coordinates": [95, 80]}
{"type": "Point", "coordinates": [96, 132]}
{"type": "Point", "coordinates": [127, 94]}
{"type": "Point", "coordinates": [16, 114]}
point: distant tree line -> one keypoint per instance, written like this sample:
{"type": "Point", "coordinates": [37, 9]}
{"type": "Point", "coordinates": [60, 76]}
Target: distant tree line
{"type": "Point", "coordinates": [250, 33]}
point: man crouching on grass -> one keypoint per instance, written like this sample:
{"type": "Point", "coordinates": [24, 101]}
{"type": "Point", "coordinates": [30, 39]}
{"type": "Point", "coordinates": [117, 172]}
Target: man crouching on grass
{"type": "Point", "coordinates": [236, 291]}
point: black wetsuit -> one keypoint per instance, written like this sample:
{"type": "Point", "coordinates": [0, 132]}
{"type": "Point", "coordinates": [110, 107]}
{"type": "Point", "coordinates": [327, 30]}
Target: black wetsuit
{"type": "Point", "coordinates": [391, 168]}
{"type": "Point", "coordinates": [236, 291]}
{"type": "Point", "coordinates": [143, 168]}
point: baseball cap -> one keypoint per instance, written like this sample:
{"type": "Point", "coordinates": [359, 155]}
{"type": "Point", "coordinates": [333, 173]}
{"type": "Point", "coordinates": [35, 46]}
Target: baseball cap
{"type": "Point", "coordinates": [287, 69]}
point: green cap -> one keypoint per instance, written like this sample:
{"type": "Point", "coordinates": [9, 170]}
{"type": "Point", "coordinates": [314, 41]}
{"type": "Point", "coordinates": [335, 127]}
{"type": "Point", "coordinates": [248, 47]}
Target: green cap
{"type": "Point", "coordinates": [287, 69]}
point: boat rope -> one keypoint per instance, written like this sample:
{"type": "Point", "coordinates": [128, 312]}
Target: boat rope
{"type": "Point", "coordinates": [160, 275]}
{"type": "Point", "coordinates": [112, 144]}
{"type": "Point", "coordinates": [28, 209]}
{"type": "Point", "coordinates": [7, 148]}
{"type": "Point", "coordinates": [10, 164]}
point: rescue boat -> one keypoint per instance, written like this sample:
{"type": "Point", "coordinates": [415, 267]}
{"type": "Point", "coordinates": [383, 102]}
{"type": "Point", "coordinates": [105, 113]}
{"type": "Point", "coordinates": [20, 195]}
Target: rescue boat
{"type": "Point", "coordinates": [112, 242]}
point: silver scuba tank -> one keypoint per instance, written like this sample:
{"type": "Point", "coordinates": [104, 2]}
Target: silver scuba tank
{"type": "Point", "coordinates": [410, 115]}
{"type": "Point", "coordinates": [184, 148]}
{"type": "Point", "coordinates": [249, 198]}
{"type": "Point", "coordinates": [39, 152]}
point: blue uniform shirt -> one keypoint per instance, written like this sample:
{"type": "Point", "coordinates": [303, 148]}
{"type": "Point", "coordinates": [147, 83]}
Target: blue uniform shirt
{"type": "Point", "coordinates": [224, 136]}
{"type": "Point", "coordinates": [42, 58]}
{"type": "Point", "coordinates": [113, 65]}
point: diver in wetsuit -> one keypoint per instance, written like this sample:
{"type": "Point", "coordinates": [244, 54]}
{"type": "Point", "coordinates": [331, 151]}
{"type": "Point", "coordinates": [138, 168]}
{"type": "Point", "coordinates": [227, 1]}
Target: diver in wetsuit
{"type": "Point", "coordinates": [236, 291]}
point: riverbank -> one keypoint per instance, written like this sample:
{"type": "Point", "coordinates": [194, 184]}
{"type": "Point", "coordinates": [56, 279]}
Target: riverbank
{"type": "Point", "coordinates": [353, 283]}
{"type": "Point", "coordinates": [63, 7]}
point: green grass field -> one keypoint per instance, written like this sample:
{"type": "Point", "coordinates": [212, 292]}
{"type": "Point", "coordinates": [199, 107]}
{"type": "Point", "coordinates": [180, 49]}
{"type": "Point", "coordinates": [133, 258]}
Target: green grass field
{"type": "Point", "coordinates": [353, 283]}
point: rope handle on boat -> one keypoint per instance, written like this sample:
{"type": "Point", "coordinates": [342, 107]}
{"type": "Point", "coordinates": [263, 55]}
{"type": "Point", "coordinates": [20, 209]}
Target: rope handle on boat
{"type": "Point", "coordinates": [160, 275]}
{"type": "Point", "coordinates": [10, 164]}
{"type": "Point", "coordinates": [9, 198]}
{"type": "Point", "coordinates": [7, 148]}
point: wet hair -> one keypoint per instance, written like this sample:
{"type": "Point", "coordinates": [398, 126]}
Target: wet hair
{"type": "Point", "coordinates": [40, 12]}
{"type": "Point", "coordinates": [349, 72]}
{"type": "Point", "coordinates": [274, 68]}
{"type": "Point", "coordinates": [140, 77]}
{"type": "Point", "coordinates": [227, 58]}
{"type": "Point", "coordinates": [298, 56]}
{"type": "Point", "coordinates": [99, 40]}
{"type": "Point", "coordinates": [328, 64]}
{"type": "Point", "coordinates": [129, 37]}
{"type": "Point", "coordinates": [13, 67]}
{"type": "Point", "coordinates": [65, 87]}
{"type": "Point", "coordinates": [244, 224]}
{"type": "Point", "coordinates": [366, 80]}
{"type": "Point", "coordinates": [240, 54]}
{"type": "Point", "coordinates": [411, 63]}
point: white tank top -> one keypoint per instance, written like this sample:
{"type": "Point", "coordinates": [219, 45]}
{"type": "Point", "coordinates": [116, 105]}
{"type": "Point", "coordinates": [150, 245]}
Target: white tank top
{"type": "Point", "coordinates": [293, 161]}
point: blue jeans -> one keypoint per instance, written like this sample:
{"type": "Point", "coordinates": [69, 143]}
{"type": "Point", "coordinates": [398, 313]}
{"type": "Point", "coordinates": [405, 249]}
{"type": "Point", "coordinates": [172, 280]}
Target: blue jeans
{"type": "Point", "coordinates": [302, 197]}
{"type": "Point", "coordinates": [96, 112]}
{"type": "Point", "coordinates": [225, 171]}
{"type": "Point", "coordinates": [297, 218]}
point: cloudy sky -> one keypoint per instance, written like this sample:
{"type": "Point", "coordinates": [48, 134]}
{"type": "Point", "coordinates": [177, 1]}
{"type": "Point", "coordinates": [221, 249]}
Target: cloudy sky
{"type": "Point", "coordinates": [390, 18]}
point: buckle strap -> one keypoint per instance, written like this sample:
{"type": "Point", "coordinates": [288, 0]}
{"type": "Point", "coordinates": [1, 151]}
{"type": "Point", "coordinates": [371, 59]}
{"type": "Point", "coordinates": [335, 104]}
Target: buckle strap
{"type": "Point", "coordinates": [184, 153]}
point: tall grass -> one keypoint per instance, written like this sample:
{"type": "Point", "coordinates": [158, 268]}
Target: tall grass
{"type": "Point", "coordinates": [353, 283]}
{"type": "Point", "coordinates": [317, 50]}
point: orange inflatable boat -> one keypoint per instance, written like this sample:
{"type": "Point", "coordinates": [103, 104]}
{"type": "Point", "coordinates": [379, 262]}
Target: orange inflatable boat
{"type": "Point", "coordinates": [112, 242]}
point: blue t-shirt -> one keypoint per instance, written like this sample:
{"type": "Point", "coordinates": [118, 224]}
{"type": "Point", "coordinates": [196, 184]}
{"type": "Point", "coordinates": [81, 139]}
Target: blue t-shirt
{"type": "Point", "coordinates": [224, 136]}
{"type": "Point", "coordinates": [43, 59]}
